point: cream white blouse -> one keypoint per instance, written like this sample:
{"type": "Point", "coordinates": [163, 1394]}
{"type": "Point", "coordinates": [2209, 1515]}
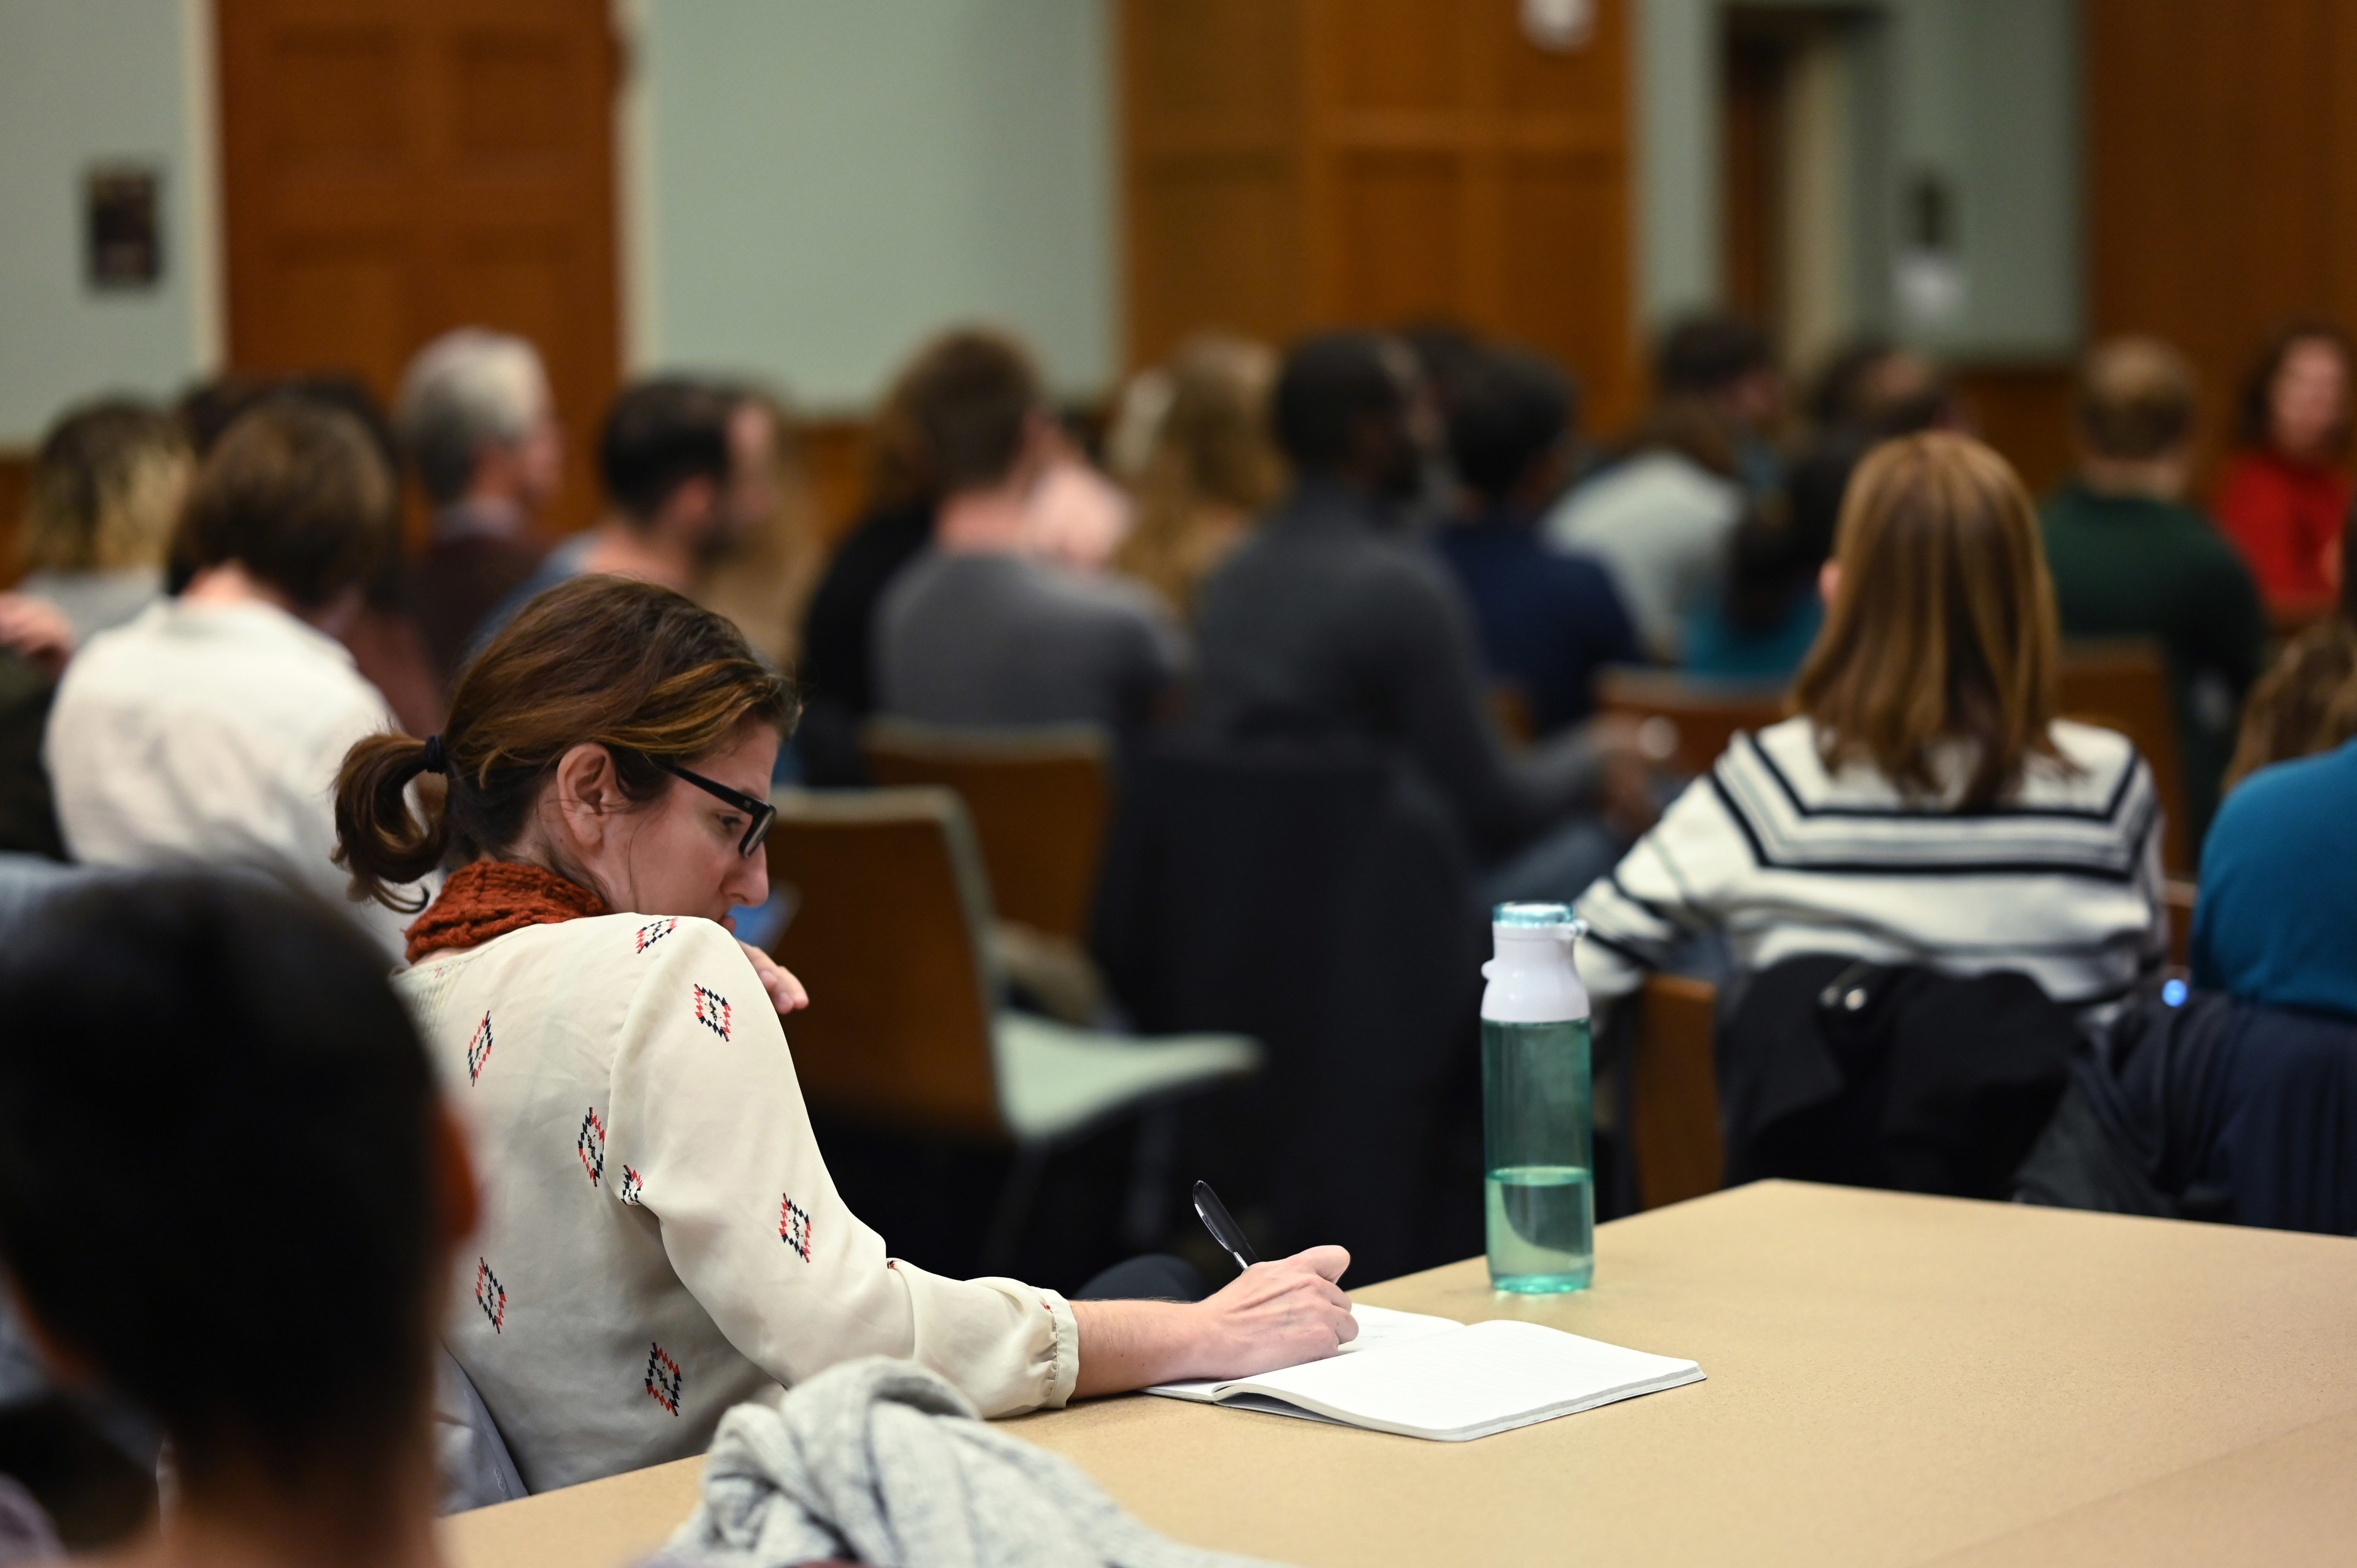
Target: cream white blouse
{"type": "Point", "coordinates": [661, 1238]}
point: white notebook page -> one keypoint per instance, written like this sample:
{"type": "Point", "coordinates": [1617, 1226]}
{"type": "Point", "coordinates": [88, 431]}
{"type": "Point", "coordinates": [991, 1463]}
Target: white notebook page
{"type": "Point", "coordinates": [1484, 1379]}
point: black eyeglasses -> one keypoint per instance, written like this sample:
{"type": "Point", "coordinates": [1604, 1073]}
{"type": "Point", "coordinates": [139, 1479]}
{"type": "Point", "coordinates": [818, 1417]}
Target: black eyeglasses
{"type": "Point", "coordinates": [761, 811]}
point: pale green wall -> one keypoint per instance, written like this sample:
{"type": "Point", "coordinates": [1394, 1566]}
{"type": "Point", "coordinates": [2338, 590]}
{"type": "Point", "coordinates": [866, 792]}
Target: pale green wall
{"type": "Point", "coordinates": [1984, 92]}
{"type": "Point", "coordinates": [85, 81]}
{"type": "Point", "coordinates": [832, 179]}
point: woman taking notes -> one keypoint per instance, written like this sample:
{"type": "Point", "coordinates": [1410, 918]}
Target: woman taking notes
{"type": "Point", "coordinates": [1924, 806]}
{"type": "Point", "coordinates": [661, 1238]}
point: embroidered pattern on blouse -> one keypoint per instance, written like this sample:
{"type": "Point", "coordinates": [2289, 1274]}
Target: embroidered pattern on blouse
{"type": "Point", "coordinates": [491, 1296]}
{"type": "Point", "coordinates": [794, 1227]}
{"type": "Point", "coordinates": [479, 1049]}
{"type": "Point", "coordinates": [631, 1188]}
{"type": "Point", "coordinates": [662, 1377]}
{"type": "Point", "coordinates": [648, 935]}
{"type": "Point", "coordinates": [712, 1010]}
{"type": "Point", "coordinates": [591, 1146]}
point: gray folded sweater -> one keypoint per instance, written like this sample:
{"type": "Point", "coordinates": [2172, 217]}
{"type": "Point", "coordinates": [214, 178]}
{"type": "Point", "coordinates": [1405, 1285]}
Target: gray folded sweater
{"type": "Point", "coordinates": [882, 1461]}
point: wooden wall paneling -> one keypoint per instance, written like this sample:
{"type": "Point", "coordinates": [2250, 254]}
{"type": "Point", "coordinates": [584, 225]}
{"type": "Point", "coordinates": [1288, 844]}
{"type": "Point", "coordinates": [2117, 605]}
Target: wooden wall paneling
{"type": "Point", "coordinates": [1409, 159]}
{"type": "Point", "coordinates": [2222, 184]}
{"type": "Point", "coordinates": [16, 485]}
{"type": "Point", "coordinates": [2025, 412]}
{"type": "Point", "coordinates": [393, 169]}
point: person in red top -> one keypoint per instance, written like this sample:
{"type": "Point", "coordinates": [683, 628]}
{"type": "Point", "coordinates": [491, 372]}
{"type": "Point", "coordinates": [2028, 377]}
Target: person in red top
{"type": "Point", "coordinates": [2285, 493]}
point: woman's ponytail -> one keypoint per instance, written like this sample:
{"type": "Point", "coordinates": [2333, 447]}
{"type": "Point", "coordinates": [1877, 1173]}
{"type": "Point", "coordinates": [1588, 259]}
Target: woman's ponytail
{"type": "Point", "coordinates": [379, 838]}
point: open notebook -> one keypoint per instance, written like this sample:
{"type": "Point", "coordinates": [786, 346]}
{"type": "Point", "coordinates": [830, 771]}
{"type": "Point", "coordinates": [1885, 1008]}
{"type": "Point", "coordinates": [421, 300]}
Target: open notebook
{"type": "Point", "coordinates": [1436, 1378]}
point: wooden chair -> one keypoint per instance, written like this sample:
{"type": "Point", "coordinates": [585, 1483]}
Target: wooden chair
{"type": "Point", "coordinates": [1673, 1092]}
{"type": "Point", "coordinates": [1695, 719]}
{"type": "Point", "coordinates": [890, 916]}
{"type": "Point", "coordinates": [1040, 800]}
{"type": "Point", "coordinates": [2123, 684]}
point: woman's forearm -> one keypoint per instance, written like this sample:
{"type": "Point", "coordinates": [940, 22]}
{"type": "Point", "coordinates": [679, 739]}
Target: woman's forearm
{"type": "Point", "coordinates": [1272, 1315]}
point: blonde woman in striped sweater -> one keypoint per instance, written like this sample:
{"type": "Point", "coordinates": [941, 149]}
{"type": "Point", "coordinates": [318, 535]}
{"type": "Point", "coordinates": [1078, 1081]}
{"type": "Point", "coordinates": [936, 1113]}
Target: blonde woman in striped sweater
{"type": "Point", "coordinates": [1924, 805]}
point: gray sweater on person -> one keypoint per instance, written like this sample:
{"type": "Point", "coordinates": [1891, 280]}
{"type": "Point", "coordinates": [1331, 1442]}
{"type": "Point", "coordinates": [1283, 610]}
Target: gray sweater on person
{"type": "Point", "coordinates": [1002, 640]}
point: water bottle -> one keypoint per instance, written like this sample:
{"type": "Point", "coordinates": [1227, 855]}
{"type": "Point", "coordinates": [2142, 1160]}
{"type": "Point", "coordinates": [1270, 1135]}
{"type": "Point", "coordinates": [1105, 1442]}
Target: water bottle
{"type": "Point", "coordinates": [1536, 1113]}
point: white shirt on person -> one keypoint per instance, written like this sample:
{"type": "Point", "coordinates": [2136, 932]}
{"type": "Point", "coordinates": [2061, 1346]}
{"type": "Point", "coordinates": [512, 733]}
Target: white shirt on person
{"type": "Point", "coordinates": [2059, 881]}
{"type": "Point", "coordinates": [661, 1238]}
{"type": "Point", "coordinates": [210, 735]}
{"type": "Point", "coordinates": [1658, 521]}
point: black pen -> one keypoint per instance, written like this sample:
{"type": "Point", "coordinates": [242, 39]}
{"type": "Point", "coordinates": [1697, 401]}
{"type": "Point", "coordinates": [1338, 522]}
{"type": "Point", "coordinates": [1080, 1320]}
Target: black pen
{"type": "Point", "coordinates": [1222, 1225]}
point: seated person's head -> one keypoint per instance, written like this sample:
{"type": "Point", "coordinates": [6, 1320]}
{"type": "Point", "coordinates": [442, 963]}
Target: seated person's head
{"type": "Point", "coordinates": [107, 487]}
{"type": "Point", "coordinates": [562, 748]}
{"type": "Point", "coordinates": [665, 459]}
{"type": "Point", "coordinates": [228, 1195]}
{"type": "Point", "coordinates": [2136, 402]}
{"type": "Point", "coordinates": [1723, 362]}
{"type": "Point", "coordinates": [1510, 426]}
{"type": "Point", "coordinates": [1939, 622]}
{"type": "Point", "coordinates": [477, 419]}
{"type": "Point", "coordinates": [967, 415]}
{"type": "Point", "coordinates": [1872, 390]}
{"type": "Point", "coordinates": [2296, 401]}
{"type": "Point", "coordinates": [1347, 410]}
{"type": "Point", "coordinates": [297, 497]}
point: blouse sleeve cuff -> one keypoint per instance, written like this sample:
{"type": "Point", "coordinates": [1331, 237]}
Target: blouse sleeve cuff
{"type": "Point", "coordinates": [1066, 1372]}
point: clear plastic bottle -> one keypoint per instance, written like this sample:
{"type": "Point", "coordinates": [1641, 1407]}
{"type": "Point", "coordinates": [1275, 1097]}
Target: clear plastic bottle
{"type": "Point", "coordinates": [1537, 1115]}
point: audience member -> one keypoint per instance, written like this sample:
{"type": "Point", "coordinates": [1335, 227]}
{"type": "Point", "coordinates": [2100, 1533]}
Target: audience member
{"type": "Point", "coordinates": [1073, 515]}
{"type": "Point", "coordinates": [2306, 701]}
{"type": "Point", "coordinates": [1329, 627]}
{"type": "Point", "coordinates": [1207, 469]}
{"type": "Point", "coordinates": [2279, 889]}
{"type": "Point", "coordinates": [837, 674]}
{"type": "Point", "coordinates": [207, 730]}
{"type": "Point", "coordinates": [2285, 492]}
{"type": "Point", "coordinates": [1873, 390]}
{"type": "Point", "coordinates": [164, 1029]}
{"type": "Point", "coordinates": [1925, 807]}
{"type": "Point", "coordinates": [689, 1250]}
{"type": "Point", "coordinates": [2130, 559]}
{"type": "Point", "coordinates": [762, 577]}
{"type": "Point", "coordinates": [477, 421]}
{"type": "Point", "coordinates": [1762, 627]}
{"type": "Point", "coordinates": [665, 459]}
{"type": "Point", "coordinates": [1547, 621]}
{"type": "Point", "coordinates": [107, 486]}
{"type": "Point", "coordinates": [979, 629]}
{"type": "Point", "coordinates": [1658, 518]}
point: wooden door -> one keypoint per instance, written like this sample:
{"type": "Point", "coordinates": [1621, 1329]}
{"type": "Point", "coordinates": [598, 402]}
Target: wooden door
{"type": "Point", "coordinates": [393, 169]}
{"type": "Point", "coordinates": [1303, 162]}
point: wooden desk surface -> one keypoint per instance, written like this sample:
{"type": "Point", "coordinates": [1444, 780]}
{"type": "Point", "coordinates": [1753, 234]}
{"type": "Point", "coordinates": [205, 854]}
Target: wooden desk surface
{"type": "Point", "coordinates": [1892, 1380]}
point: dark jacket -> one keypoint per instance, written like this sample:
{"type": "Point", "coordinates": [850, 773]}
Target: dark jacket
{"type": "Point", "coordinates": [1317, 900]}
{"type": "Point", "coordinates": [1871, 1075]}
{"type": "Point", "coordinates": [1325, 628]}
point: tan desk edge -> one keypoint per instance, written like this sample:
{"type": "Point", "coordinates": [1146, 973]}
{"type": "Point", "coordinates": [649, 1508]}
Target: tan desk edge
{"type": "Point", "coordinates": [1893, 1381]}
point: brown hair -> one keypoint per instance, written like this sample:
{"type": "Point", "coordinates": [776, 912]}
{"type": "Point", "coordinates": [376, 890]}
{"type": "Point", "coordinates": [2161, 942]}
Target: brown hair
{"type": "Point", "coordinates": [1213, 459]}
{"type": "Point", "coordinates": [954, 419]}
{"type": "Point", "coordinates": [1942, 630]}
{"type": "Point", "coordinates": [298, 493]}
{"type": "Point", "coordinates": [599, 660]}
{"type": "Point", "coordinates": [2257, 411]}
{"type": "Point", "coordinates": [2305, 704]}
{"type": "Point", "coordinates": [107, 489]}
{"type": "Point", "coordinates": [2136, 399]}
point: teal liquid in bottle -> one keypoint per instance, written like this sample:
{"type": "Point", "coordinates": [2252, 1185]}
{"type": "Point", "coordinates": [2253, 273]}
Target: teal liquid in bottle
{"type": "Point", "coordinates": [1537, 1108]}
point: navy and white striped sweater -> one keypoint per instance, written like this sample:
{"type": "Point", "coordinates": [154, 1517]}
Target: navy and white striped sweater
{"type": "Point", "coordinates": [2061, 881]}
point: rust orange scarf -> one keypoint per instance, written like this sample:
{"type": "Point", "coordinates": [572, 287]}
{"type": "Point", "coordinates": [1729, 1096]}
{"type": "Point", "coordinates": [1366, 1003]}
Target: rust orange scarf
{"type": "Point", "coordinates": [492, 897]}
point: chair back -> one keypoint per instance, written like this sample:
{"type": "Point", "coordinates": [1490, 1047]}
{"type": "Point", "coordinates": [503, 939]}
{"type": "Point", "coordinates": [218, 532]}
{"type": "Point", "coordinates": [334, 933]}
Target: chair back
{"type": "Point", "coordinates": [1039, 797]}
{"type": "Point", "coordinates": [1695, 718]}
{"type": "Point", "coordinates": [889, 905]}
{"type": "Point", "coordinates": [2123, 684]}
{"type": "Point", "coordinates": [1673, 1092]}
